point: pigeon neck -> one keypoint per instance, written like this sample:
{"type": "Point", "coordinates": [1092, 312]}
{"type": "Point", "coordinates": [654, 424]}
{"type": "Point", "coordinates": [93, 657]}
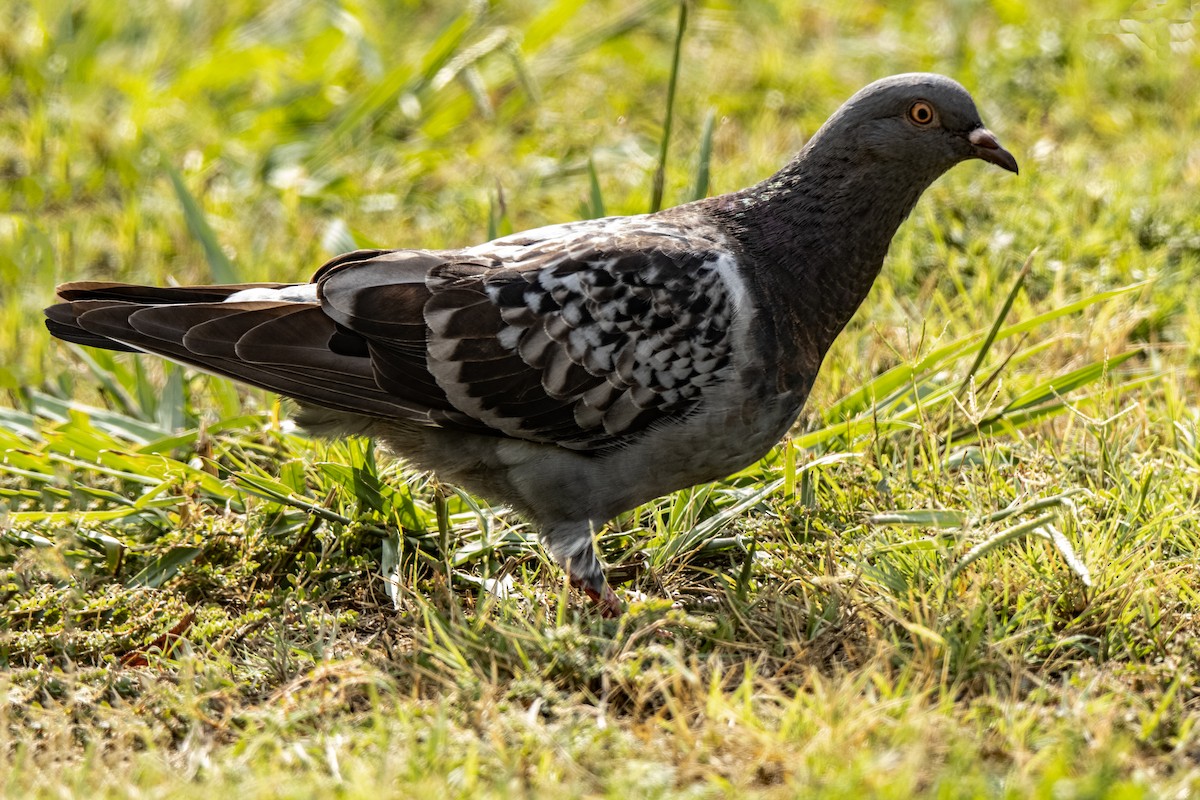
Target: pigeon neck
{"type": "Point", "coordinates": [815, 235]}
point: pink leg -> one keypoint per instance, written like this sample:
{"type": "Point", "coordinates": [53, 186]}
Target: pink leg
{"type": "Point", "coordinates": [610, 605]}
{"type": "Point", "coordinates": [571, 545]}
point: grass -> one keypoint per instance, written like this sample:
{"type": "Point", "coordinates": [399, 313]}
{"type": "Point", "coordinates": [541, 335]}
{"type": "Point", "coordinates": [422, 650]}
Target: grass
{"type": "Point", "coordinates": [969, 572]}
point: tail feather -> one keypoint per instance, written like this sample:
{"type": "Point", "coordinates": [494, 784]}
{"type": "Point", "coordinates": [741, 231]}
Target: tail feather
{"type": "Point", "coordinates": [359, 354]}
{"type": "Point", "coordinates": [156, 295]}
{"type": "Point", "coordinates": [199, 329]}
{"type": "Point", "coordinates": [62, 320]}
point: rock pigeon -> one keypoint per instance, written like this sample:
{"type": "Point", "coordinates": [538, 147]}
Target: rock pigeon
{"type": "Point", "coordinates": [577, 370]}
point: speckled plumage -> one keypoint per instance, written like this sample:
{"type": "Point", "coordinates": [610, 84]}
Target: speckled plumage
{"type": "Point", "coordinates": [577, 370]}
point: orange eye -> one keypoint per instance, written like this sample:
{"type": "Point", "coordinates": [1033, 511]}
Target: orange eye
{"type": "Point", "coordinates": [921, 113]}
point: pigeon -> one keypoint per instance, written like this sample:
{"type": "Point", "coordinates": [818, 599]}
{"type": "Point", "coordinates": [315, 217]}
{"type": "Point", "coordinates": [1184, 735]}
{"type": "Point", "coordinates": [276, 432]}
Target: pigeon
{"type": "Point", "coordinates": [575, 371]}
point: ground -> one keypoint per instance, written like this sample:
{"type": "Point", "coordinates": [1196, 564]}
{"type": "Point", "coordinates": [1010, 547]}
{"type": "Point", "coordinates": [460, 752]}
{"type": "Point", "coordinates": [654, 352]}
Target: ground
{"type": "Point", "coordinates": [969, 571]}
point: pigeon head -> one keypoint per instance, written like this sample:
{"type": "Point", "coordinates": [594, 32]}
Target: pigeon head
{"type": "Point", "coordinates": [874, 157]}
{"type": "Point", "coordinates": [924, 121]}
{"type": "Point", "coordinates": [829, 215]}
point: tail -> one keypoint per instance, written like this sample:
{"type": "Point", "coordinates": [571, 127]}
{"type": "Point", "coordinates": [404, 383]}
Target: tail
{"type": "Point", "coordinates": [274, 336]}
{"type": "Point", "coordinates": [65, 321]}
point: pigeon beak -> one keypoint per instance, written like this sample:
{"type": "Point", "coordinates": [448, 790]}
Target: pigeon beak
{"type": "Point", "coordinates": [985, 146]}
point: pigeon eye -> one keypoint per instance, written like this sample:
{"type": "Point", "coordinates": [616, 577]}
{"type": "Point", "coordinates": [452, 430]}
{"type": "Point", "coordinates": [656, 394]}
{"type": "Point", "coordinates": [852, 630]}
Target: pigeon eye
{"type": "Point", "coordinates": [921, 113]}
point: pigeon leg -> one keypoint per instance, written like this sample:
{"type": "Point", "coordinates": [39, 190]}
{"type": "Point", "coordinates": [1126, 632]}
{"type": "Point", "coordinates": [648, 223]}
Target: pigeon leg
{"type": "Point", "coordinates": [571, 546]}
{"type": "Point", "coordinates": [607, 600]}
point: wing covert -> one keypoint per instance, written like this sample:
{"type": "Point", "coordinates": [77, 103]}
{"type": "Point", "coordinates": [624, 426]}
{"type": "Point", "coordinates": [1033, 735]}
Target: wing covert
{"type": "Point", "coordinates": [583, 343]}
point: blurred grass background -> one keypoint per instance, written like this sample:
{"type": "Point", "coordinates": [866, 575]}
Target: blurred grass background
{"type": "Point", "coordinates": [872, 622]}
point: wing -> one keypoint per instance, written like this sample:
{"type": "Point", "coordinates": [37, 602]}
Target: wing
{"type": "Point", "coordinates": [578, 335]}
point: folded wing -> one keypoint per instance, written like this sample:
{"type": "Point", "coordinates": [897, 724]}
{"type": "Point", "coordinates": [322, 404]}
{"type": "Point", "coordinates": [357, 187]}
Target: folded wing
{"type": "Point", "coordinates": [578, 335]}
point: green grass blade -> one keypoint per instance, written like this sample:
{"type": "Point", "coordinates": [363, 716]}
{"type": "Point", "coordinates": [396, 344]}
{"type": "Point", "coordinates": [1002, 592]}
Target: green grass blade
{"type": "Point", "coordinates": [889, 382]}
{"type": "Point", "coordinates": [597, 36]}
{"type": "Point", "coordinates": [925, 518]}
{"type": "Point", "coordinates": [131, 429]}
{"type": "Point", "coordinates": [220, 267]}
{"type": "Point", "coordinates": [660, 172]}
{"type": "Point", "coordinates": [499, 222]}
{"type": "Point", "coordinates": [172, 409]}
{"type": "Point", "coordinates": [596, 208]}
{"type": "Point", "coordinates": [547, 25]}
{"type": "Point", "coordinates": [683, 544]}
{"type": "Point", "coordinates": [704, 159]}
{"type": "Point", "coordinates": [105, 375]}
{"type": "Point", "coordinates": [1005, 307]}
{"type": "Point", "coordinates": [1060, 385]}
{"type": "Point", "coordinates": [998, 540]}
{"type": "Point", "coordinates": [165, 567]}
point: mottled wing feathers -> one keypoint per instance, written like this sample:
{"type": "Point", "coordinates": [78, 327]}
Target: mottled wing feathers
{"type": "Point", "coordinates": [577, 335]}
{"type": "Point", "coordinates": [582, 343]}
